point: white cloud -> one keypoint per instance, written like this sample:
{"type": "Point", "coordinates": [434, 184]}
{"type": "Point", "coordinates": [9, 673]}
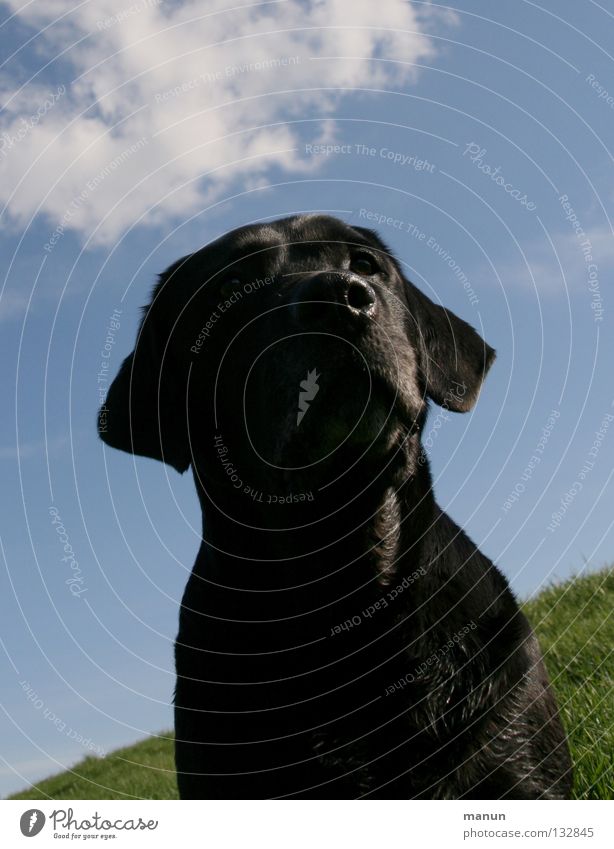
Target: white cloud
{"type": "Point", "coordinates": [33, 448]}
{"type": "Point", "coordinates": [190, 83]}
{"type": "Point", "coordinates": [552, 267]}
{"type": "Point", "coordinates": [12, 305]}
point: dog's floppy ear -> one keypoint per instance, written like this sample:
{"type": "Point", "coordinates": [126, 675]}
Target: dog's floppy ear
{"type": "Point", "coordinates": [145, 409]}
{"type": "Point", "coordinates": [455, 359]}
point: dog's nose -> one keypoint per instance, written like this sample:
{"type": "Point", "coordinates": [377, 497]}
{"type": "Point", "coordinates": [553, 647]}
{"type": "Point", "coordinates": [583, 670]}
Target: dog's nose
{"type": "Point", "coordinates": [332, 298]}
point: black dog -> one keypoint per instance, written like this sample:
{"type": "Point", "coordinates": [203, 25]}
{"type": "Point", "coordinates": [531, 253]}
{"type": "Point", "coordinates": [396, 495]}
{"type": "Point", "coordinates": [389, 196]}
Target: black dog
{"type": "Point", "coordinates": [339, 636]}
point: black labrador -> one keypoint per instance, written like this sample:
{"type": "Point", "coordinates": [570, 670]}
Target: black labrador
{"type": "Point", "coordinates": [340, 636]}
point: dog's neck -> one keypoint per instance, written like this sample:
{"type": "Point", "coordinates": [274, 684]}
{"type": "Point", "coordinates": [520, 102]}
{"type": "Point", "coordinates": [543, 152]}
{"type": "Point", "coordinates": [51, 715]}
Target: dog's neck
{"type": "Point", "coordinates": [373, 530]}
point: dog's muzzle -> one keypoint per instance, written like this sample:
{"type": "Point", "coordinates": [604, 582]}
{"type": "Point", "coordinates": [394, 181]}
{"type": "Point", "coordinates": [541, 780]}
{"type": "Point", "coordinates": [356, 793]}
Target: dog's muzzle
{"type": "Point", "coordinates": [334, 299]}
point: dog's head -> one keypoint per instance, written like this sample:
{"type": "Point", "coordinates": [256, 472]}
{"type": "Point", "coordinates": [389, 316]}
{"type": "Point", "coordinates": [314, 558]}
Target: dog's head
{"type": "Point", "coordinates": [289, 351]}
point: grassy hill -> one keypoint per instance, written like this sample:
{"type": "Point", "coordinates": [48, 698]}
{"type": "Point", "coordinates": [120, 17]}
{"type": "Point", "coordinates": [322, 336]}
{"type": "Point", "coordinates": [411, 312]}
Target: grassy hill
{"type": "Point", "coordinates": [575, 625]}
{"type": "Point", "coordinates": [143, 771]}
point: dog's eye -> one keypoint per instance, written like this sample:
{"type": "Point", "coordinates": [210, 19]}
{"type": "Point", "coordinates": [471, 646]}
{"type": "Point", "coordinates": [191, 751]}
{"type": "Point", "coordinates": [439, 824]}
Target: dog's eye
{"type": "Point", "coordinates": [233, 284]}
{"type": "Point", "coordinates": [363, 264]}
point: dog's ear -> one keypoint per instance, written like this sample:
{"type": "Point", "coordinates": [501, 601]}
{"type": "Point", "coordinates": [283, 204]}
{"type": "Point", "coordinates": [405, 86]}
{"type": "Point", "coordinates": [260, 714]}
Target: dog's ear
{"type": "Point", "coordinates": [455, 359]}
{"type": "Point", "coordinates": [145, 409]}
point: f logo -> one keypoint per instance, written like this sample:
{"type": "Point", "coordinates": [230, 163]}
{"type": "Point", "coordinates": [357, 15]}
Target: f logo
{"type": "Point", "coordinates": [32, 822]}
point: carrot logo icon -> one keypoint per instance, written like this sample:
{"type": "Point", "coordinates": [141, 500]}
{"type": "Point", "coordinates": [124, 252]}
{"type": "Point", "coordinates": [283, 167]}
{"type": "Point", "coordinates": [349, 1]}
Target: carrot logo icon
{"type": "Point", "coordinates": [309, 390]}
{"type": "Point", "coordinates": [31, 822]}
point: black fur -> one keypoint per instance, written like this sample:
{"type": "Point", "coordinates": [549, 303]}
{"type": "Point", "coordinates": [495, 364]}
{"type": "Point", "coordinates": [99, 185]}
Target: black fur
{"type": "Point", "coordinates": [348, 640]}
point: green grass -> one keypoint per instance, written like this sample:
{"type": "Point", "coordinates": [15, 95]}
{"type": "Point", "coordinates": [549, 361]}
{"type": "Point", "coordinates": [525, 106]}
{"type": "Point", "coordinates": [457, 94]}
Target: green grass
{"type": "Point", "coordinates": [575, 624]}
{"type": "Point", "coordinates": [143, 771]}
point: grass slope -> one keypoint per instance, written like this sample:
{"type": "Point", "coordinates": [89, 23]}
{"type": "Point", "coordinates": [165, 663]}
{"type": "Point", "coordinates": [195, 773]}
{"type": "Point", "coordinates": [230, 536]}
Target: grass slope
{"type": "Point", "coordinates": [575, 625]}
{"type": "Point", "coordinates": [143, 771]}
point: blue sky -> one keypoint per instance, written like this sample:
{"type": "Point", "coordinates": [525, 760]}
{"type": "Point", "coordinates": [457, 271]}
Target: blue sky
{"type": "Point", "coordinates": [476, 138]}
